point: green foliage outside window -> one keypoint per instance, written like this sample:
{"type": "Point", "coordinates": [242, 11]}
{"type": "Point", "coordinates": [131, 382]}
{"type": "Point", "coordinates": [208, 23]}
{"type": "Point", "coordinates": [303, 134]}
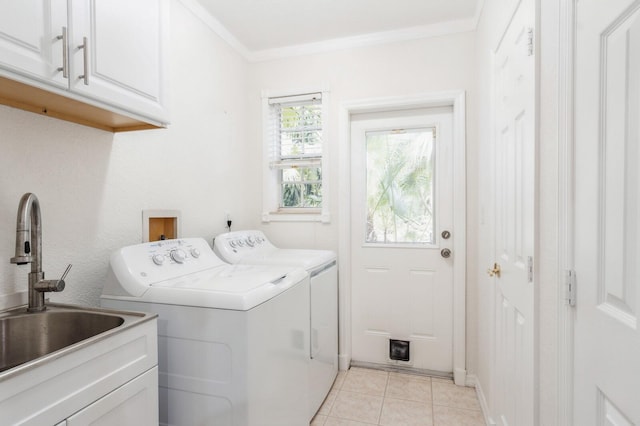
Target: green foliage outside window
{"type": "Point", "coordinates": [400, 190]}
{"type": "Point", "coordinates": [301, 142]}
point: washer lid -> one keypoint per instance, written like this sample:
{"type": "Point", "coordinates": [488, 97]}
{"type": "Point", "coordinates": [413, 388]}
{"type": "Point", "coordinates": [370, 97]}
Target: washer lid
{"type": "Point", "coordinates": [234, 287]}
{"type": "Point", "coordinates": [238, 279]}
{"type": "Point", "coordinates": [306, 259]}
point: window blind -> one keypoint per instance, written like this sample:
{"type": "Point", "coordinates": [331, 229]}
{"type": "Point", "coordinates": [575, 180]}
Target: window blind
{"type": "Point", "coordinates": [295, 131]}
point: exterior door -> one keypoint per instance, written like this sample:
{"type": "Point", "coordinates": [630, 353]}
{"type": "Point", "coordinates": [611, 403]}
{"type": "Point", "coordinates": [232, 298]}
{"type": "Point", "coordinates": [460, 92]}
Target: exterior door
{"type": "Point", "coordinates": [607, 205]}
{"type": "Point", "coordinates": [402, 286]}
{"type": "Point", "coordinates": [514, 156]}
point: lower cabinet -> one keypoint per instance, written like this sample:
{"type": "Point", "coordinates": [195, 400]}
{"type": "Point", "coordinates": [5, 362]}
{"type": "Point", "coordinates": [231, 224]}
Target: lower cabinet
{"type": "Point", "coordinates": [133, 404]}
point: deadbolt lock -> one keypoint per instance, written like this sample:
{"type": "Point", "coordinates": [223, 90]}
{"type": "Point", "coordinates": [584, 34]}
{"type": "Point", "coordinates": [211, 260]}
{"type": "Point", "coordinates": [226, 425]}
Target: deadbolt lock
{"type": "Point", "coordinates": [446, 235]}
{"type": "Point", "coordinates": [495, 271]}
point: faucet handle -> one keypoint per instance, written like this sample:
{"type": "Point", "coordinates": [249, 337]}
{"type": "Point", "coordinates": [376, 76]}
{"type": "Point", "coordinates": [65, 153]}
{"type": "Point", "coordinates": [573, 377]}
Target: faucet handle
{"type": "Point", "coordinates": [52, 285]}
{"type": "Point", "coordinates": [66, 271]}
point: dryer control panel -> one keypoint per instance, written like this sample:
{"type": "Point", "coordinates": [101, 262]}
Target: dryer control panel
{"type": "Point", "coordinates": [233, 246]}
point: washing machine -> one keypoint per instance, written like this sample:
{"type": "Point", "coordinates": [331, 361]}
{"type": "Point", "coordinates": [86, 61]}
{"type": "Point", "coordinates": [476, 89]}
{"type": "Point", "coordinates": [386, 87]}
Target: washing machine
{"type": "Point", "coordinates": [233, 340]}
{"type": "Point", "coordinates": [253, 248]}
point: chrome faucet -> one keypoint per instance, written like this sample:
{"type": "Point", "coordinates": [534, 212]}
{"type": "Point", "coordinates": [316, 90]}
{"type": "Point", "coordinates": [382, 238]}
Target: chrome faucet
{"type": "Point", "coordinates": [29, 250]}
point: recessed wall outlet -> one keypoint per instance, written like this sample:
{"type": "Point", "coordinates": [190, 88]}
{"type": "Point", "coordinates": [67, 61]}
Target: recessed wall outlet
{"type": "Point", "coordinates": [160, 225]}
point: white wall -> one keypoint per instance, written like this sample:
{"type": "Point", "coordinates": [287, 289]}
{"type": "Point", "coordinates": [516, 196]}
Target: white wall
{"type": "Point", "coordinates": [494, 16]}
{"type": "Point", "coordinates": [93, 185]}
{"type": "Point", "coordinates": [395, 69]}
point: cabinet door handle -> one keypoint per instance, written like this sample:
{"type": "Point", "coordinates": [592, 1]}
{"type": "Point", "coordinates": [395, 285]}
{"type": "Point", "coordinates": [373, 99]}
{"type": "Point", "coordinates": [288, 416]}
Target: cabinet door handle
{"type": "Point", "coordinates": [85, 55]}
{"type": "Point", "coordinates": [65, 53]}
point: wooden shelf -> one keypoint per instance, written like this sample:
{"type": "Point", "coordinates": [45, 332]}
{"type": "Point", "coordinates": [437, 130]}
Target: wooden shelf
{"type": "Point", "coordinates": [39, 101]}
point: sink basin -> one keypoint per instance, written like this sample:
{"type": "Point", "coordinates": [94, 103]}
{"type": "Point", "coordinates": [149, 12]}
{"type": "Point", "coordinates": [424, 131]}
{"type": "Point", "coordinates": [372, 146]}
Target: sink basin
{"type": "Point", "coordinates": [27, 336]}
{"type": "Point", "coordinates": [28, 340]}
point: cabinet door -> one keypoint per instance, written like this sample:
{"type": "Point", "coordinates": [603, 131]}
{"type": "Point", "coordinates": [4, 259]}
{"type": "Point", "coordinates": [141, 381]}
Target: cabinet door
{"type": "Point", "coordinates": [134, 403]}
{"type": "Point", "coordinates": [122, 62]}
{"type": "Point", "coordinates": [28, 39]}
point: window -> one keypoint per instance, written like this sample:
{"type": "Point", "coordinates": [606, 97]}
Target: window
{"type": "Point", "coordinates": [294, 148]}
{"type": "Point", "coordinates": [400, 187]}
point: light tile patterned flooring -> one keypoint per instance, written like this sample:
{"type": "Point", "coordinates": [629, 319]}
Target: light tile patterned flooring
{"type": "Point", "coordinates": [372, 397]}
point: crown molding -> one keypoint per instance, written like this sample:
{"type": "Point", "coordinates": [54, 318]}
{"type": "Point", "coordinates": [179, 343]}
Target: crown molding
{"type": "Point", "coordinates": [364, 40]}
{"type": "Point", "coordinates": [214, 25]}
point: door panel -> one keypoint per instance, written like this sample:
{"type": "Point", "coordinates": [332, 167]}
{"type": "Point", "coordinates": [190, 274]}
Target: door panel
{"type": "Point", "coordinates": [402, 288]}
{"type": "Point", "coordinates": [126, 45]}
{"type": "Point", "coordinates": [514, 101]}
{"type": "Point", "coordinates": [28, 39]}
{"type": "Point", "coordinates": [607, 223]}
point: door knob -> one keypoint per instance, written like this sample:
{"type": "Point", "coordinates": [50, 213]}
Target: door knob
{"type": "Point", "coordinates": [446, 253]}
{"type": "Point", "coordinates": [495, 271]}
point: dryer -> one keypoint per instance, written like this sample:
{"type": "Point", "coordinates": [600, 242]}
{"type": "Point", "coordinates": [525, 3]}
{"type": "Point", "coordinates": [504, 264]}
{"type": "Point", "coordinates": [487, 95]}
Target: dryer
{"type": "Point", "coordinates": [233, 340]}
{"type": "Point", "coordinates": [253, 248]}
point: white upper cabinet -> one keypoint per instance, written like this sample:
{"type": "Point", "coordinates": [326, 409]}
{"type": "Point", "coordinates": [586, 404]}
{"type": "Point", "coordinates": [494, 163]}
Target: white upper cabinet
{"type": "Point", "coordinates": [31, 39]}
{"type": "Point", "coordinates": [117, 53]}
{"type": "Point", "coordinates": [109, 54]}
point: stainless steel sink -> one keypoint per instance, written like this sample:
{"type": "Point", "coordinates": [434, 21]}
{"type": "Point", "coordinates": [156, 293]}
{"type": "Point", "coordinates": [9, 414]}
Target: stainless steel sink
{"type": "Point", "coordinates": [34, 337]}
{"type": "Point", "coordinates": [56, 362]}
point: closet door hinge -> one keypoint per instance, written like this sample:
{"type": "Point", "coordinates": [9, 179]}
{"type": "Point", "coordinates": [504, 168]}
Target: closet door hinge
{"type": "Point", "coordinates": [529, 269]}
{"type": "Point", "coordinates": [570, 287]}
{"type": "Point", "coordinates": [529, 41]}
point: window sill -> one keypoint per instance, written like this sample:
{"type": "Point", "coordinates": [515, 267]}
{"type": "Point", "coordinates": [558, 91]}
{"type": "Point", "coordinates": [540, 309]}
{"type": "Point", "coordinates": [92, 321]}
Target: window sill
{"type": "Point", "coordinates": [296, 217]}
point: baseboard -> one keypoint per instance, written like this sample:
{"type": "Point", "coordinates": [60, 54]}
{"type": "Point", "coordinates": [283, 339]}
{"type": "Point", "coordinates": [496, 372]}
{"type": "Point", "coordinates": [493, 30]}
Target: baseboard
{"type": "Point", "coordinates": [460, 377]}
{"type": "Point", "coordinates": [344, 361]}
{"type": "Point", "coordinates": [472, 380]}
{"type": "Point", "coordinates": [402, 369]}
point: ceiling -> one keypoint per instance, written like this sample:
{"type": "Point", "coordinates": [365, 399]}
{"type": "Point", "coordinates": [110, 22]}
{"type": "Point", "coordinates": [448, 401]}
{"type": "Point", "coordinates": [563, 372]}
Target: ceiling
{"type": "Point", "coordinates": [263, 25]}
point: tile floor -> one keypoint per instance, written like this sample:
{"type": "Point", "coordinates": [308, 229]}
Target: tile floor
{"type": "Point", "coordinates": [371, 397]}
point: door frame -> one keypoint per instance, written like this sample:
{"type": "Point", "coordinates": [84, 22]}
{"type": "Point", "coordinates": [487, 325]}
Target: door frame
{"type": "Point", "coordinates": [455, 99]}
{"type": "Point", "coordinates": [566, 206]}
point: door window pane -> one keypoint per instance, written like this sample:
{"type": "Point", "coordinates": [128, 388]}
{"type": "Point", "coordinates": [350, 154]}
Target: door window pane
{"type": "Point", "coordinates": [400, 186]}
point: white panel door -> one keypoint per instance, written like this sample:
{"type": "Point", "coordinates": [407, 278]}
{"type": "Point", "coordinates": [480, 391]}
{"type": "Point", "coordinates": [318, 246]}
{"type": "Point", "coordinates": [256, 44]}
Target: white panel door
{"type": "Point", "coordinates": [124, 54]}
{"type": "Point", "coordinates": [29, 43]}
{"type": "Point", "coordinates": [402, 287]}
{"type": "Point", "coordinates": [514, 156]}
{"type": "Point", "coordinates": [607, 222]}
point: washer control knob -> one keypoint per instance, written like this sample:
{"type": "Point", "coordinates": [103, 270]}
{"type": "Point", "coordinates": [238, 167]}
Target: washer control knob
{"type": "Point", "coordinates": [195, 252]}
{"type": "Point", "coordinates": [232, 244]}
{"type": "Point", "coordinates": [240, 243]}
{"type": "Point", "coordinates": [251, 241]}
{"type": "Point", "coordinates": [178, 255]}
{"type": "Point", "coordinates": [158, 259]}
